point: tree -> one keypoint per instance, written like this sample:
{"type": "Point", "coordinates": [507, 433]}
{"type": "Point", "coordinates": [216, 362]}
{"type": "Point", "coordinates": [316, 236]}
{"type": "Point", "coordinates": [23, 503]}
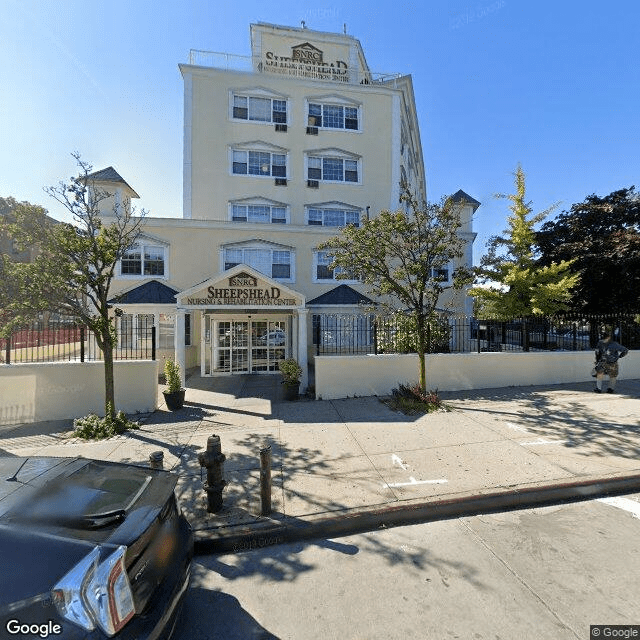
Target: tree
{"type": "Point", "coordinates": [401, 257]}
{"type": "Point", "coordinates": [517, 285]}
{"type": "Point", "coordinates": [602, 236]}
{"type": "Point", "coordinates": [75, 266]}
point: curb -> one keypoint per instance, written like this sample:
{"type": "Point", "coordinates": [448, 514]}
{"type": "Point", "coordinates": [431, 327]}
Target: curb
{"type": "Point", "coordinates": [247, 538]}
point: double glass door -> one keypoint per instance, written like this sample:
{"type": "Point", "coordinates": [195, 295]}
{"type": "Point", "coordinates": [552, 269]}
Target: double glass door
{"type": "Point", "coordinates": [247, 345]}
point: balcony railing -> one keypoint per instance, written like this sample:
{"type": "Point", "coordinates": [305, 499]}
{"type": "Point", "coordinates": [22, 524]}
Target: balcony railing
{"type": "Point", "coordinates": [232, 62]}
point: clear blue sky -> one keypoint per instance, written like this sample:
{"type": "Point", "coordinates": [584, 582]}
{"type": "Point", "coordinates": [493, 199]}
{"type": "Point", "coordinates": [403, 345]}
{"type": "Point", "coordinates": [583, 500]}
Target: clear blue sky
{"type": "Point", "coordinates": [553, 85]}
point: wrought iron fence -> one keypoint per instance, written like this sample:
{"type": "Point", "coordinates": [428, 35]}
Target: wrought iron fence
{"type": "Point", "coordinates": [369, 333]}
{"type": "Point", "coordinates": [63, 340]}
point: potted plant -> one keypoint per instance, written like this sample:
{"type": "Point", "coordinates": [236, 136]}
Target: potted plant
{"type": "Point", "coordinates": [291, 374]}
{"type": "Point", "coordinates": [174, 393]}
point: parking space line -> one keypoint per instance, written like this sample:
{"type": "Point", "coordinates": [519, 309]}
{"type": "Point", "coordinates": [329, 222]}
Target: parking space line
{"type": "Point", "coordinates": [632, 506]}
{"type": "Point", "coordinates": [413, 481]}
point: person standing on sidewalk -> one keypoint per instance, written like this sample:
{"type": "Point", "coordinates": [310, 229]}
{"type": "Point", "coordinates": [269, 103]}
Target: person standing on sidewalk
{"type": "Point", "coordinates": [608, 352]}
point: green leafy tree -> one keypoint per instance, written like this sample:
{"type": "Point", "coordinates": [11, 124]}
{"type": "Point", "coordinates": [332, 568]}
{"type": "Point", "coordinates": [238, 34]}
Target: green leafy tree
{"type": "Point", "coordinates": [517, 285]}
{"type": "Point", "coordinates": [602, 236]}
{"type": "Point", "coordinates": [401, 257]}
{"type": "Point", "coordinates": [75, 265]}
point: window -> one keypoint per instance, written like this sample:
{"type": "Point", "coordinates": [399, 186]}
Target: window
{"type": "Point", "coordinates": [331, 116]}
{"type": "Point", "coordinates": [322, 271]}
{"type": "Point", "coordinates": [258, 213]}
{"type": "Point", "coordinates": [271, 262]}
{"type": "Point", "coordinates": [259, 109]}
{"type": "Point", "coordinates": [187, 329]}
{"type": "Point", "coordinates": [332, 169]}
{"type": "Point", "coordinates": [333, 217]}
{"type": "Point", "coordinates": [441, 274]}
{"type": "Point", "coordinates": [259, 163]}
{"type": "Point", "coordinates": [143, 260]}
{"type": "Point", "coordinates": [166, 331]}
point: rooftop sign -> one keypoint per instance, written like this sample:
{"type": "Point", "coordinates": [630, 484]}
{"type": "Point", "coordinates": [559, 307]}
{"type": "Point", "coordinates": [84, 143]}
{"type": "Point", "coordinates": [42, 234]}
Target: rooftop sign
{"type": "Point", "coordinates": [306, 61]}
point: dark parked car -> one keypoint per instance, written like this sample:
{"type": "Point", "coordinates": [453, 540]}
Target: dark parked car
{"type": "Point", "coordinates": [90, 549]}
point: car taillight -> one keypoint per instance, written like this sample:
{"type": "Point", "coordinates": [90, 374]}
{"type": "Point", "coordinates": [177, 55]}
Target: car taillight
{"type": "Point", "coordinates": [96, 593]}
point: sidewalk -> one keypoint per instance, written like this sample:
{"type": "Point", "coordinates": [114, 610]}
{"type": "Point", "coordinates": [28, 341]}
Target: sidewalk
{"type": "Point", "coordinates": [350, 465]}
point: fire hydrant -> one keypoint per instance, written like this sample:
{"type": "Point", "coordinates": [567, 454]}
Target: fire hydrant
{"type": "Point", "coordinates": [213, 459]}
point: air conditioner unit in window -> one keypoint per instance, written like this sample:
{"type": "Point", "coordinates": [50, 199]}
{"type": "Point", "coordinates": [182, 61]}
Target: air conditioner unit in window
{"type": "Point", "coordinates": [281, 127]}
{"type": "Point", "coordinates": [281, 182]}
{"type": "Point", "coordinates": [314, 184]}
{"type": "Point", "coordinates": [312, 131]}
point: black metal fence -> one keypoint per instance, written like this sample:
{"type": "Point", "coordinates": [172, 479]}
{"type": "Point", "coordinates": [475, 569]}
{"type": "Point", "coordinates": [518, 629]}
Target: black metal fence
{"type": "Point", "coordinates": [369, 333]}
{"type": "Point", "coordinates": [57, 341]}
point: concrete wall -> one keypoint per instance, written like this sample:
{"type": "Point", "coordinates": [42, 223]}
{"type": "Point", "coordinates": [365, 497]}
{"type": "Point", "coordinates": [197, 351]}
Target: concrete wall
{"type": "Point", "coordinates": [366, 375]}
{"type": "Point", "coordinates": [61, 390]}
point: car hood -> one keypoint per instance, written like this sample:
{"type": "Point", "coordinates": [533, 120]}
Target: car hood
{"type": "Point", "coordinates": [54, 511]}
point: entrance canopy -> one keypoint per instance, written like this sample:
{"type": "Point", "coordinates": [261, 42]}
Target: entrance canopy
{"type": "Point", "coordinates": [238, 289]}
{"type": "Point", "coordinates": [237, 335]}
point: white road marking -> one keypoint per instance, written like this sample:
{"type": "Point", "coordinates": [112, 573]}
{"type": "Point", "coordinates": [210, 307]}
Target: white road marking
{"type": "Point", "coordinates": [543, 441]}
{"type": "Point", "coordinates": [413, 481]}
{"type": "Point", "coordinates": [398, 460]}
{"type": "Point", "coordinates": [516, 427]}
{"type": "Point", "coordinates": [632, 506]}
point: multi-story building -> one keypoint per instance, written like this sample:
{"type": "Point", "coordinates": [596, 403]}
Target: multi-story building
{"type": "Point", "coordinates": [281, 150]}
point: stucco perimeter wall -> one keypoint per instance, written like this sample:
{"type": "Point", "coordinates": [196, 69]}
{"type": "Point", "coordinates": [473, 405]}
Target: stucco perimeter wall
{"type": "Point", "coordinates": [367, 375]}
{"type": "Point", "coordinates": [61, 390]}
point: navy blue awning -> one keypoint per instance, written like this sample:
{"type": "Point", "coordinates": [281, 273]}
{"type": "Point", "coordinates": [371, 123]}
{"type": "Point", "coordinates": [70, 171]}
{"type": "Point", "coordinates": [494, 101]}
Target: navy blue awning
{"type": "Point", "coordinates": [341, 295]}
{"type": "Point", "coordinates": [152, 292]}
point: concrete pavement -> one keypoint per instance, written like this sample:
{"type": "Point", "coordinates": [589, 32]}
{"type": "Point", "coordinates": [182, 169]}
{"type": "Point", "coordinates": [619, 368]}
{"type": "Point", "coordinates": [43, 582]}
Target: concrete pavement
{"type": "Point", "coordinates": [343, 466]}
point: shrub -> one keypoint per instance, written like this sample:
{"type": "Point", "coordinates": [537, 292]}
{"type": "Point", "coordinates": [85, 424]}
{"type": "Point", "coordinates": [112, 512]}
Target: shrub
{"type": "Point", "coordinates": [92, 427]}
{"type": "Point", "coordinates": [398, 334]}
{"type": "Point", "coordinates": [291, 371]}
{"type": "Point", "coordinates": [172, 376]}
{"type": "Point", "coordinates": [410, 399]}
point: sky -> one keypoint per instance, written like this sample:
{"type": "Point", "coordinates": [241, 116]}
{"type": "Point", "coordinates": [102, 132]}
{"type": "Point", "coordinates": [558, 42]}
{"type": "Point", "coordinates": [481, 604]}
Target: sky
{"type": "Point", "coordinates": [551, 85]}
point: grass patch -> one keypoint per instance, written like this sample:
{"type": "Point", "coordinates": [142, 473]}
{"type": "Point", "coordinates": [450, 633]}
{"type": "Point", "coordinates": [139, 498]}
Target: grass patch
{"type": "Point", "coordinates": [92, 427]}
{"type": "Point", "coordinates": [410, 400]}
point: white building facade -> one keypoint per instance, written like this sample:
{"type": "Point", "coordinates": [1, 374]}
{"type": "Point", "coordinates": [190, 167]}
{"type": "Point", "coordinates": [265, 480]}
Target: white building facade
{"type": "Point", "coordinates": [281, 150]}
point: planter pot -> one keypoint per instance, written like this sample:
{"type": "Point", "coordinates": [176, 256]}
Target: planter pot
{"type": "Point", "coordinates": [291, 391]}
{"type": "Point", "coordinates": [174, 399]}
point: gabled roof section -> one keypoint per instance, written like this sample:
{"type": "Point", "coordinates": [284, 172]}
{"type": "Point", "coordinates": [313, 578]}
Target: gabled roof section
{"type": "Point", "coordinates": [334, 98]}
{"type": "Point", "coordinates": [341, 295]}
{"type": "Point", "coordinates": [152, 292]}
{"type": "Point", "coordinates": [110, 175]}
{"type": "Point", "coordinates": [260, 91]}
{"type": "Point", "coordinates": [260, 145]}
{"type": "Point", "coordinates": [332, 152]}
{"type": "Point", "coordinates": [461, 196]}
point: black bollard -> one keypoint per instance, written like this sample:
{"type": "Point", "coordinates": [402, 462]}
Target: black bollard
{"type": "Point", "coordinates": [265, 480]}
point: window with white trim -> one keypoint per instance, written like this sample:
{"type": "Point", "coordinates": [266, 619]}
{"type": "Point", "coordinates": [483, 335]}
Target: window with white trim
{"type": "Point", "coordinates": [258, 213]}
{"type": "Point", "coordinates": [441, 274]}
{"type": "Point", "coordinates": [259, 163]}
{"type": "Point", "coordinates": [322, 271]}
{"type": "Point", "coordinates": [259, 109]}
{"type": "Point", "coordinates": [143, 260]}
{"type": "Point", "coordinates": [333, 116]}
{"type": "Point", "coordinates": [333, 217]}
{"type": "Point", "coordinates": [274, 263]}
{"type": "Point", "coordinates": [332, 169]}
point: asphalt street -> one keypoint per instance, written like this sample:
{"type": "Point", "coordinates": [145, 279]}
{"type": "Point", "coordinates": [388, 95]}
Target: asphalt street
{"type": "Point", "coordinates": [541, 574]}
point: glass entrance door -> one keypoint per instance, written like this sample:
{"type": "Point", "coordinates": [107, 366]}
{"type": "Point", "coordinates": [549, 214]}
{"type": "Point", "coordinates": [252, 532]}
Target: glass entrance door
{"type": "Point", "coordinates": [231, 347]}
{"type": "Point", "coordinates": [268, 344]}
{"type": "Point", "coordinates": [244, 346]}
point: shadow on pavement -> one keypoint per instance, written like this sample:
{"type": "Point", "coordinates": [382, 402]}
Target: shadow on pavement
{"type": "Point", "coordinates": [225, 619]}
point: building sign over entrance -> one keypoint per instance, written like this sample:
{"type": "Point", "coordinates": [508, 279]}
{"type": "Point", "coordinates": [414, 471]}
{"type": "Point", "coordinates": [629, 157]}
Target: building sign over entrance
{"type": "Point", "coordinates": [243, 290]}
{"type": "Point", "coordinates": [306, 61]}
